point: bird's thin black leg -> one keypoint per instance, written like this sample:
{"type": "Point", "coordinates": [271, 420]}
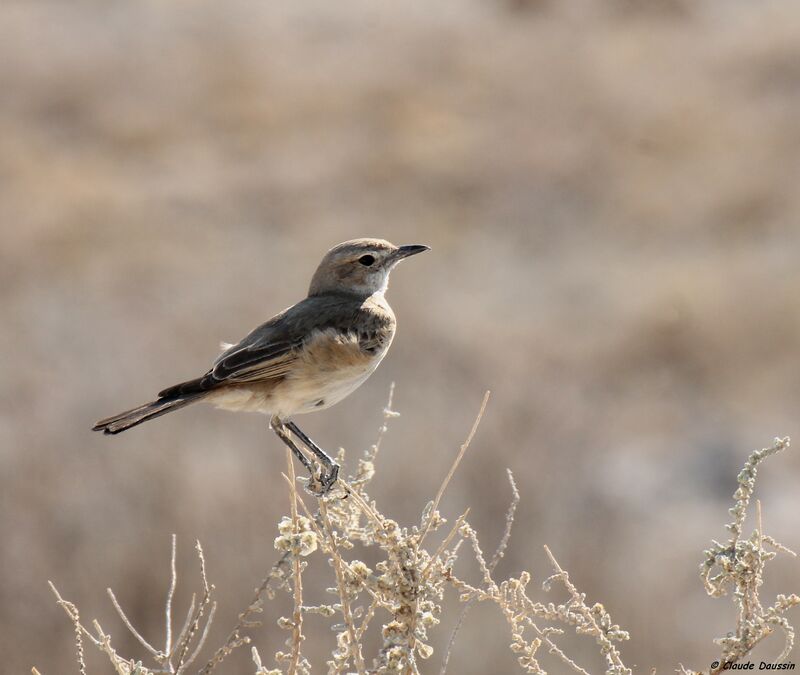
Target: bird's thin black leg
{"type": "Point", "coordinates": [279, 428]}
{"type": "Point", "coordinates": [325, 459]}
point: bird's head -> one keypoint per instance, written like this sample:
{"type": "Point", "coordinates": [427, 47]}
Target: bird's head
{"type": "Point", "coordinates": [359, 266]}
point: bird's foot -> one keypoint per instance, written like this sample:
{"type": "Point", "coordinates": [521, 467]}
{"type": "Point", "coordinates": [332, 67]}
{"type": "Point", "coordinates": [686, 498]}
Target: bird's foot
{"type": "Point", "coordinates": [320, 484]}
{"type": "Point", "coordinates": [330, 480]}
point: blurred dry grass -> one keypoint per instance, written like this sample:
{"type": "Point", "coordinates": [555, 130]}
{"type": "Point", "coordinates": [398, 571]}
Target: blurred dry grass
{"type": "Point", "coordinates": [384, 616]}
{"type": "Point", "coordinates": [610, 190]}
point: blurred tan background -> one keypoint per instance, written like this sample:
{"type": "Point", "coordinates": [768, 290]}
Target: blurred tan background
{"type": "Point", "coordinates": [611, 193]}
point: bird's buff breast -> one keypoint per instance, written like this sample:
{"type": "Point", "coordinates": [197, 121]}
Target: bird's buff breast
{"type": "Point", "coordinates": [328, 368]}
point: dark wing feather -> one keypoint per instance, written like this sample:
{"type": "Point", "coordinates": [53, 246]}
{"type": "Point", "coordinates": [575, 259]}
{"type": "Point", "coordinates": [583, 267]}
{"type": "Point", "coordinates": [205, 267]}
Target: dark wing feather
{"type": "Point", "coordinates": [245, 363]}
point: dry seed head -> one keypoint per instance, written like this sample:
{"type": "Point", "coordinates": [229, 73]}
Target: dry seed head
{"type": "Point", "coordinates": [302, 541]}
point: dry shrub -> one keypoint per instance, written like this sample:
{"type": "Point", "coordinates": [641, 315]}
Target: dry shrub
{"type": "Point", "coordinates": [404, 592]}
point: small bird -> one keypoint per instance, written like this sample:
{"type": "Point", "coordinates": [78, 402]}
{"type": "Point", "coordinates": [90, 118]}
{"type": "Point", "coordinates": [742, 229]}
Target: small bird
{"type": "Point", "coordinates": [308, 357]}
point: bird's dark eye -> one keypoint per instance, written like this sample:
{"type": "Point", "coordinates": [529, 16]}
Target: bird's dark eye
{"type": "Point", "coordinates": [366, 260]}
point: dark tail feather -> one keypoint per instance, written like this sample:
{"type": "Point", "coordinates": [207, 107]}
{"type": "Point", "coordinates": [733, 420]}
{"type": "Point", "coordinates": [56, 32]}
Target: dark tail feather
{"type": "Point", "coordinates": [197, 386]}
{"type": "Point", "coordinates": [148, 411]}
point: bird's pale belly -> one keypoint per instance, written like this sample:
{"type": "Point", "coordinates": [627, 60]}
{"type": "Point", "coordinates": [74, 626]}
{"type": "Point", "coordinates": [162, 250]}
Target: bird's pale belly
{"type": "Point", "coordinates": [309, 394]}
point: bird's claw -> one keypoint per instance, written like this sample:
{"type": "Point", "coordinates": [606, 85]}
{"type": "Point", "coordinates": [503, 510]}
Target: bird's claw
{"type": "Point", "coordinates": [321, 484]}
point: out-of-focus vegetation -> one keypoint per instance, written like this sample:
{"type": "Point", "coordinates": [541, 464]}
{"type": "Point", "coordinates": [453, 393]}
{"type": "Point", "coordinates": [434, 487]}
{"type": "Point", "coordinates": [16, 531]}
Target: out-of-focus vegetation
{"type": "Point", "coordinates": [610, 191]}
{"type": "Point", "coordinates": [384, 617]}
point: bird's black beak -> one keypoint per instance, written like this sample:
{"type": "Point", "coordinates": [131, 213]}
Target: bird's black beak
{"type": "Point", "coordinates": [409, 250]}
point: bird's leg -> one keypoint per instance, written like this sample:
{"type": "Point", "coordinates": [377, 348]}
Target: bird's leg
{"type": "Point", "coordinates": [280, 429]}
{"type": "Point", "coordinates": [326, 460]}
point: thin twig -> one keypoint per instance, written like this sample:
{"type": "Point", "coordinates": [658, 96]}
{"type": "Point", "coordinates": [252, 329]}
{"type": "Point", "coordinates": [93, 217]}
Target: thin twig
{"type": "Point", "coordinates": [185, 627]}
{"type": "Point", "coordinates": [353, 494]}
{"type": "Point", "coordinates": [367, 618]}
{"type": "Point", "coordinates": [297, 617]}
{"type": "Point", "coordinates": [388, 413]}
{"type": "Point", "coordinates": [105, 645]}
{"type": "Point", "coordinates": [322, 527]}
{"type": "Point", "coordinates": [498, 554]}
{"type": "Point", "coordinates": [74, 615]}
{"type": "Point", "coordinates": [445, 542]}
{"type": "Point", "coordinates": [235, 638]}
{"type": "Point", "coordinates": [553, 648]}
{"type": "Point", "coordinates": [170, 593]}
{"type": "Point", "coordinates": [316, 524]}
{"type": "Point", "coordinates": [609, 650]}
{"type": "Point", "coordinates": [355, 648]}
{"type": "Point", "coordinates": [759, 527]}
{"type": "Point", "coordinates": [201, 641]}
{"type": "Point", "coordinates": [198, 615]}
{"type": "Point", "coordinates": [453, 468]}
{"type": "Point", "coordinates": [512, 509]}
{"type": "Point", "coordinates": [158, 656]}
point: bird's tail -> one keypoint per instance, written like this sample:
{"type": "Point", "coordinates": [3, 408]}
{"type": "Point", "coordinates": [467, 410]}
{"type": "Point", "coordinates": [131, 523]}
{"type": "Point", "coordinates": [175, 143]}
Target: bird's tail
{"type": "Point", "coordinates": [148, 411]}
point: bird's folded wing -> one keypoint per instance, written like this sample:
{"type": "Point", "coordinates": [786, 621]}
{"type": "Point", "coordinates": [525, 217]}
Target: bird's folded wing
{"type": "Point", "coordinates": [271, 350]}
{"type": "Point", "coordinates": [255, 362]}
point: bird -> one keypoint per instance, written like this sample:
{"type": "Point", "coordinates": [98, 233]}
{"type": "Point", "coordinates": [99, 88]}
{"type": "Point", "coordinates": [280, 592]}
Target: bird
{"type": "Point", "coordinates": [306, 358]}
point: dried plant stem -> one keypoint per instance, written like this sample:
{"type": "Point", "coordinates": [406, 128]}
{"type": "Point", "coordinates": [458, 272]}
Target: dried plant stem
{"type": "Point", "coordinates": [74, 615]}
{"type": "Point", "coordinates": [510, 513]}
{"type": "Point", "coordinates": [737, 566]}
{"type": "Point", "coordinates": [454, 466]}
{"type": "Point", "coordinates": [297, 616]}
{"type": "Point", "coordinates": [725, 664]}
{"type": "Point", "coordinates": [353, 494]}
{"type": "Point", "coordinates": [609, 650]}
{"type": "Point", "coordinates": [318, 527]}
{"type": "Point", "coordinates": [186, 624]}
{"type": "Point", "coordinates": [445, 543]}
{"type": "Point", "coordinates": [388, 413]}
{"type": "Point", "coordinates": [498, 554]}
{"type": "Point", "coordinates": [202, 639]}
{"type": "Point", "coordinates": [170, 593]}
{"type": "Point", "coordinates": [198, 615]}
{"type": "Point", "coordinates": [355, 647]}
{"type": "Point", "coordinates": [407, 584]}
{"type": "Point", "coordinates": [367, 618]}
{"type": "Point", "coordinates": [235, 639]}
{"type": "Point", "coordinates": [158, 656]}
